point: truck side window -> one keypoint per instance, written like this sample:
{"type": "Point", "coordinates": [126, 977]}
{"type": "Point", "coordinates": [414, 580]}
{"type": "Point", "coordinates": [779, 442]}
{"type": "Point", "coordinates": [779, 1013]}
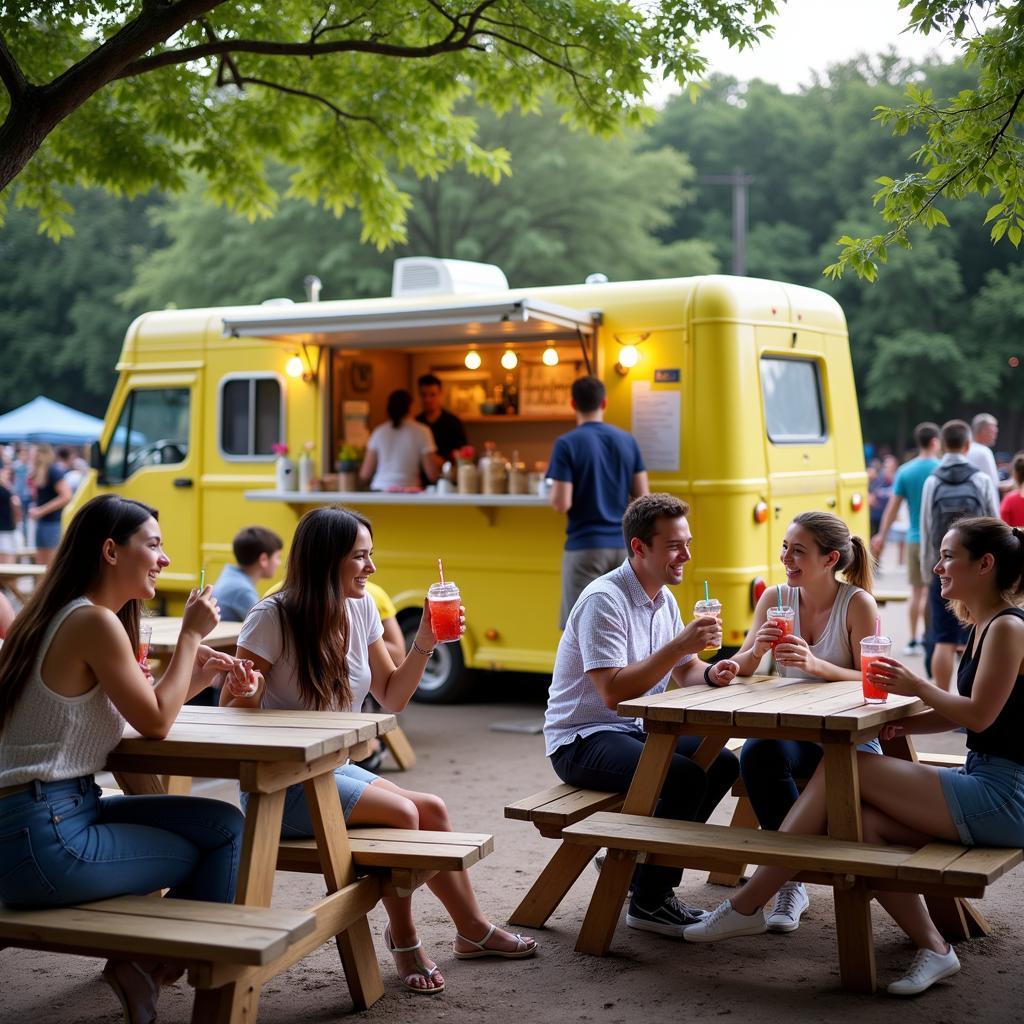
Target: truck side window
{"type": "Point", "coordinates": [251, 416]}
{"type": "Point", "coordinates": [793, 409]}
{"type": "Point", "coordinates": [151, 431]}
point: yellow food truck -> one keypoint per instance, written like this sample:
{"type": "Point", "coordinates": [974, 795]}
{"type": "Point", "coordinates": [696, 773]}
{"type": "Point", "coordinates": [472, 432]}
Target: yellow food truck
{"type": "Point", "coordinates": [739, 391]}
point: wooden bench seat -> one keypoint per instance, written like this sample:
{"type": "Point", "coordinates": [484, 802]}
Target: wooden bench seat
{"type": "Point", "coordinates": [409, 856]}
{"type": "Point", "coordinates": [227, 949]}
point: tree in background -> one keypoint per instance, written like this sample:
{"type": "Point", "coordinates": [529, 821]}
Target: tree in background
{"type": "Point", "coordinates": [132, 96]}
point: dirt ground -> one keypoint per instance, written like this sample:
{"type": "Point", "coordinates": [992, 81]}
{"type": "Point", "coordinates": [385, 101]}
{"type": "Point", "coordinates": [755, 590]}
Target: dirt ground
{"type": "Point", "coordinates": [777, 978]}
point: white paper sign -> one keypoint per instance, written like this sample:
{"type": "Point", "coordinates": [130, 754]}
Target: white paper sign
{"type": "Point", "coordinates": [656, 426]}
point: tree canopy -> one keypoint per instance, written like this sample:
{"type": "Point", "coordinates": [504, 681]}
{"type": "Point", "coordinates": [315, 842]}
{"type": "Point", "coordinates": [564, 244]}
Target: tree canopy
{"type": "Point", "coordinates": [133, 95]}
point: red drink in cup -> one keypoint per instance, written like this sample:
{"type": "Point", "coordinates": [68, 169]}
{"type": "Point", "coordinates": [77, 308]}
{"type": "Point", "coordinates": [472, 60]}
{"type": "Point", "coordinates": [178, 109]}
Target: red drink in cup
{"type": "Point", "coordinates": [783, 618]}
{"type": "Point", "coordinates": [145, 639]}
{"type": "Point", "coordinates": [444, 603]}
{"type": "Point", "coordinates": [871, 649]}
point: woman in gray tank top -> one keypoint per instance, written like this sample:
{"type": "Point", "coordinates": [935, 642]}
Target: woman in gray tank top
{"type": "Point", "coordinates": [831, 615]}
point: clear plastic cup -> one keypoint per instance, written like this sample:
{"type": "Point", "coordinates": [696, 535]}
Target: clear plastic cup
{"type": "Point", "coordinates": [145, 641]}
{"type": "Point", "coordinates": [871, 648]}
{"type": "Point", "coordinates": [784, 618]}
{"type": "Point", "coordinates": [710, 607]}
{"type": "Point", "coordinates": [444, 602]}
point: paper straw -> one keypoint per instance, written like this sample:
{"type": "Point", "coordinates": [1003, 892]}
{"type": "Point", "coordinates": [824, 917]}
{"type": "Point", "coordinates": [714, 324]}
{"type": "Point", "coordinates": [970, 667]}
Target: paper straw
{"type": "Point", "coordinates": [440, 570]}
{"type": "Point", "coordinates": [878, 625]}
{"type": "Point", "coordinates": [706, 595]}
{"type": "Point", "coordinates": [202, 578]}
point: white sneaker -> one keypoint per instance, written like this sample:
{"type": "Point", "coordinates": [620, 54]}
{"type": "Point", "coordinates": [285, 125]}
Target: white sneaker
{"type": "Point", "coordinates": [790, 902]}
{"type": "Point", "coordinates": [725, 923]}
{"type": "Point", "coordinates": [926, 969]}
{"type": "Point", "coordinates": [914, 647]}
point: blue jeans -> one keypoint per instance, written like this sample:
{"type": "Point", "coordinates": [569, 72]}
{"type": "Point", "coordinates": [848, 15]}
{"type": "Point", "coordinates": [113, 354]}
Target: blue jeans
{"type": "Point", "coordinates": [61, 843]}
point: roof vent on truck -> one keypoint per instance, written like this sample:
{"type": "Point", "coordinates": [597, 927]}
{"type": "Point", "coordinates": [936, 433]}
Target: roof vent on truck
{"type": "Point", "coordinates": [426, 275]}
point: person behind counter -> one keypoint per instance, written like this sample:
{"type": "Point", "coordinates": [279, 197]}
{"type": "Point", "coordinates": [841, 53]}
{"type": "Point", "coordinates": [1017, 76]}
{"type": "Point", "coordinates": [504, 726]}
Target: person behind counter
{"type": "Point", "coordinates": [449, 433]}
{"type": "Point", "coordinates": [399, 450]}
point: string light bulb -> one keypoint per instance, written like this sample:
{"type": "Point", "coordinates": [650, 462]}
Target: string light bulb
{"type": "Point", "coordinates": [472, 360]}
{"type": "Point", "coordinates": [549, 357]}
{"type": "Point", "coordinates": [509, 360]}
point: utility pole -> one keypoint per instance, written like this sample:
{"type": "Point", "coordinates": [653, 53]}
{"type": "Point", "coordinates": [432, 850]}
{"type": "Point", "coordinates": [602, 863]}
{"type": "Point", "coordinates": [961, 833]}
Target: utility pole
{"type": "Point", "coordinates": [739, 182]}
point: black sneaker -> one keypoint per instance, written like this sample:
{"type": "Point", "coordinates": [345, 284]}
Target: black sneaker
{"type": "Point", "coordinates": [670, 918]}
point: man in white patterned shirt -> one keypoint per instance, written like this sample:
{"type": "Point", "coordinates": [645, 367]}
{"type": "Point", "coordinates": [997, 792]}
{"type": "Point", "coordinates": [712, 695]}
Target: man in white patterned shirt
{"type": "Point", "coordinates": [625, 638]}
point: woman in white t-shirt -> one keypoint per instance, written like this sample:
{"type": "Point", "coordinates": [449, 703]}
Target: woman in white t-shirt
{"type": "Point", "coordinates": [319, 646]}
{"type": "Point", "coordinates": [399, 450]}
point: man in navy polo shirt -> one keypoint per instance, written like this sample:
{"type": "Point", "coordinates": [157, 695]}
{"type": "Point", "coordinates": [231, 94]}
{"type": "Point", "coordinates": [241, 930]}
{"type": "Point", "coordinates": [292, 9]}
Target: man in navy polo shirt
{"type": "Point", "coordinates": [596, 471]}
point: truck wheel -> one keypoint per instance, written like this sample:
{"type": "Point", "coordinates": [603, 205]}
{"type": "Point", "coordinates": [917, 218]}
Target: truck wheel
{"type": "Point", "coordinates": [445, 679]}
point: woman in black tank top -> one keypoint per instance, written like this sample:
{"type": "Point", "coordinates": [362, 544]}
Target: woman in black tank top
{"type": "Point", "coordinates": [981, 573]}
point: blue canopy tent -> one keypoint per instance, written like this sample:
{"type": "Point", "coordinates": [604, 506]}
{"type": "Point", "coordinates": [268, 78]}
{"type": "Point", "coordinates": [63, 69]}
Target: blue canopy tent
{"type": "Point", "coordinates": [42, 419]}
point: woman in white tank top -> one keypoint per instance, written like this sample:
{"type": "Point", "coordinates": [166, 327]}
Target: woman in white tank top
{"type": "Point", "coordinates": [69, 680]}
{"type": "Point", "coordinates": [831, 616]}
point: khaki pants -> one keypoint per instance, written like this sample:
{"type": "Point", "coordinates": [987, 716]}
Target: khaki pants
{"type": "Point", "coordinates": [581, 568]}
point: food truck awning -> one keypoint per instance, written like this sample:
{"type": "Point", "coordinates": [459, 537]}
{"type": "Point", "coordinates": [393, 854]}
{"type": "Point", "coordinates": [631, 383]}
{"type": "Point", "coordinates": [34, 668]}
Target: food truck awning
{"type": "Point", "coordinates": [522, 319]}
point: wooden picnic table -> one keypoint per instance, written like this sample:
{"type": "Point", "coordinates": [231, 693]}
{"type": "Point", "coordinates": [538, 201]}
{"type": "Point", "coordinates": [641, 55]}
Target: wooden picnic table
{"type": "Point", "coordinates": [11, 572]}
{"type": "Point", "coordinates": [772, 707]}
{"type": "Point", "coordinates": [167, 628]}
{"type": "Point", "coordinates": [267, 751]}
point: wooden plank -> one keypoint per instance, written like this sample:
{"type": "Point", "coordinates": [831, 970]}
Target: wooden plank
{"type": "Point", "coordinates": [229, 742]}
{"type": "Point", "coordinates": [367, 724]}
{"type": "Point", "coordinates": [400, 749]}
{"type": "Point", "coordinates": [673, 705]}
{"type": "Point", "coordinates": [382, 853]}
{"type": "Point", "coordinates": [743, 816]}
{"type": "Point", "coordinates": [295, 922]}
{"type": "Point", "coordinates": [522, 810]}
{"type": "Point", "coordinates": [606, 904]}
{"type": "Point", "coordinates": [874, 716]}
{"type": "Point", "coordinates": [551, 886]}
{"type": "Point", "coordinates": [942, 760]}
{"type": "Point", "coordinates": [649, 775]}
{"type": "Point", "coordinates": [760, 706]}
{"type": "Point", "coordinates": [854, 937]}
{"type": "Point", "coordinates": [796, 698]}
{"type": "Point", "coordinates": [576, 806]}
{"type": "Point", "coordinates": [842, 792]}
{"type": "Point", "coordinates": [982, 864]}
{"type": "Point", "coordinates": [929, 860]}
{"type": "Point", "coordinates": [259, 849]}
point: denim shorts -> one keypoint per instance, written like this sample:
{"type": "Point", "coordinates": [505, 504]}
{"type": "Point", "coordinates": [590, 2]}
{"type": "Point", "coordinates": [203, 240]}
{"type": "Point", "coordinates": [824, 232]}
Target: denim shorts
{"type": "Point", "coordinates": [351, 781]}
{"type": "Point", "coordinates": [986, 800]}
{"type": "Point", "coordinates": [47, 534]}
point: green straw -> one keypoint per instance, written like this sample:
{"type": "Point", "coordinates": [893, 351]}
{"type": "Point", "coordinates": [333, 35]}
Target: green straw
{"type": "Point", "coordinates": [202, 578]}
{"type": "Point", "coordinates": [706, 596]}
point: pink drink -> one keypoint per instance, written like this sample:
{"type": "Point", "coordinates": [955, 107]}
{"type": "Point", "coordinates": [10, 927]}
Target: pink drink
{"type": "Point", "coordinates": [444, 603]}
{"type": "Point", "coordinates": [783, 618]}
{"type": "Point", "coordinates": [871, 649]}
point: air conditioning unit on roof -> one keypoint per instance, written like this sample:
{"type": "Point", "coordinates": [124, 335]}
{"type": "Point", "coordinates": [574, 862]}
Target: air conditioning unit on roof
{"type": "Point", "coordinates": [425, 275]}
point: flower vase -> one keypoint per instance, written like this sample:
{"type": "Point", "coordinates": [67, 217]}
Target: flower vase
{"type": "Point", "coordinates": [284, 469]}
{"type": "Point", "coordinates": [305, 472]}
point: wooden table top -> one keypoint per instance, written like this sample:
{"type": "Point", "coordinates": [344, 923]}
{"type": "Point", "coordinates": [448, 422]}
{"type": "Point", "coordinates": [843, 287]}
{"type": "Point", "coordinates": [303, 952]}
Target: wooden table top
{"type": "Point", "coordinates": [166, 628]}
{"type": "Point", "coordinates": [252, 734]}
{"type": "Point", "coordinates": [767, 702]}
{"type": "Point", "coordinates": [17, 569]}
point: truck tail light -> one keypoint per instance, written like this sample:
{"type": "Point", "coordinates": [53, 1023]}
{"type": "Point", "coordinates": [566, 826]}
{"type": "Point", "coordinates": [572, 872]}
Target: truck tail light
{"type": "Point", "coordinates": [856, 501]}
{"type": "Point", "coordinates": [761, 512]}
{"type": "Point", "coordinates": [757, 588]}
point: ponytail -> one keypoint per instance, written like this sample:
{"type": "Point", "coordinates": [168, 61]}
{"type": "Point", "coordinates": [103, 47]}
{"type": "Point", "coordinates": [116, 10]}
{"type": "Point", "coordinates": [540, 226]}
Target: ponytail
{"type": "Point", "coordinates": [858, 571]}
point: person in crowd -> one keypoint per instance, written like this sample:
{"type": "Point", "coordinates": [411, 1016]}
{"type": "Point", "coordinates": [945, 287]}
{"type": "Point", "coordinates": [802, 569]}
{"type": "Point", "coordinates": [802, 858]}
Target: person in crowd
{"type": "Point", "coordinates": [596, 469]}
{"type": "Point", "coordinates": [52, 494]}
{"type": "Point", "coordinates": [880, 485]}
{"type": "Point", "coordinates": [625, 639]}
{"type": "Point", "coordinates": [984, 433]}
{"type": "Point", "coordinates": [1011, 509]}
{"type": "Point", "coordinates": [257, 552]}
{"type": "Point", "coordinates": [399, 450]}
{"type": "Point", "coordinates": [69, 680]}
{"type": "Point", "coordinates": [10, 517]}
{"type": "Point", "coordinates": [828, 586]}
{"type": "Point", "coordinates": [907, 487]}
{"type": "Point", "coordinates": [981, 572]}
{"type": "Point", "coordinates": [20, 470]}
{"type": "Point", "coordinates": [446, 428]}
{"type": "Point", "coordinates": [955, 488]}
{"type": "Point", "coordinates": [6, 615]}
{"type": "Point", "coordinates": [72, 465]}
{"type": "Point", "coordinates": [319, 645]}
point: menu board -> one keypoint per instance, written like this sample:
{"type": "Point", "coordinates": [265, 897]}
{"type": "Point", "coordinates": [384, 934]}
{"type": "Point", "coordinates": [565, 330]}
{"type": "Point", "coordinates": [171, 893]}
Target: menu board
{"type": "Point", "coordinates": [656, 426]}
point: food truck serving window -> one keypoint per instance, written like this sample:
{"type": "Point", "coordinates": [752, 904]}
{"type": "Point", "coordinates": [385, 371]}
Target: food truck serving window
{"type": "Point", "coordinates": [251, 416]}
{"type": "Point", "coordinates": [793, 409]}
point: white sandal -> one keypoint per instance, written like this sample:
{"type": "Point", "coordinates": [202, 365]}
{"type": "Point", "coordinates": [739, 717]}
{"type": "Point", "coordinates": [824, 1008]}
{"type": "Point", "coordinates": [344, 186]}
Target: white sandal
{"type": "Point", "coordinates": [524, 947]}
{"type": "Point", "coordinates": [421, 968]}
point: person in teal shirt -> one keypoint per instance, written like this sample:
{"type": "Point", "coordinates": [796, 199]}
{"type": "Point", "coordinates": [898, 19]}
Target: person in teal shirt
{"type": "Point", "coordinates": [908, 486]}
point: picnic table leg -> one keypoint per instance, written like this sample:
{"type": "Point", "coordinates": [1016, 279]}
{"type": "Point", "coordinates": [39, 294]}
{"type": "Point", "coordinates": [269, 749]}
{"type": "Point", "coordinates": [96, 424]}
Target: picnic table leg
{"type": "Point", "coordinates": [853, 904]}
{"type": "Point", "coordinates": [228, 1004]}
{"type": "Point", "coordinates": [259, 849]}
{"type": "Point", "coordinates": [742, 817]}
{"type": "Point", "coordinates": [552, 884]}
{"type": "Point", "coordinates": [612, 885]}
{"type": "Point", "coordinates": [355, 944]}
{"type": "Point", "coordinates": [399, 748]}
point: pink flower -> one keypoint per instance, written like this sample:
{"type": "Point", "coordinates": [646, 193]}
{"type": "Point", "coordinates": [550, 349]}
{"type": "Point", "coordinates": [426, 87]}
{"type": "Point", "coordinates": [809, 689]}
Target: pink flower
{"type": "Point", "coordinates": [279, 448]}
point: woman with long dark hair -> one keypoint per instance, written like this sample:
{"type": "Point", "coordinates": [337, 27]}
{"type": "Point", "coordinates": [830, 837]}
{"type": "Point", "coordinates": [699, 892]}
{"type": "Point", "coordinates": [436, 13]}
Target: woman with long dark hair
{"type": "Point", "coordinates": [400, 450]}
{"type": "Point", "coordinates": [318, 643]}
{"type": "Point", "coordinates": [69, 680]}
{"type": "Point", "coordinates": [981, 575]}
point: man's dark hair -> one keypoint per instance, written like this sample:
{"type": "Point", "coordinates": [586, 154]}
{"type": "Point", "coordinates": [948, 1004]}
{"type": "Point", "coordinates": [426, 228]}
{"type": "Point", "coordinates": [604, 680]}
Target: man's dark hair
{"type": "Point", "coordinates": [587, 394]}
{"type": "Point", "coordinates": [428, 380]}
{"type": "Point", "coordinates": [252, 542]}
{"type": "Point", "coordinates": [643, 513]}
{"type": "Point", "coordinates": [956, 435]}
{"type": "Point", "coordinates": [925, 433]}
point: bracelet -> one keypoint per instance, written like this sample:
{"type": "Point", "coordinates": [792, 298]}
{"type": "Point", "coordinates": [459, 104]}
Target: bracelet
{"type": "Point", "coordinates": [419, 650]}
{"type": "Point", "coordinates": [707, 676]}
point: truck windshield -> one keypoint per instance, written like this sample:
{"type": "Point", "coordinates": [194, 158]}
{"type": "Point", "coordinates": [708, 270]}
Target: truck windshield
{"type": "Point", "coordinates": [152, 430]}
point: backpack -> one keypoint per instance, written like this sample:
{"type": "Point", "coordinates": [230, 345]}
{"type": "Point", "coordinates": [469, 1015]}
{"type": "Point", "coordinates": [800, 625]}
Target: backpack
{"type": "Point", "coordinates": [954, 497]}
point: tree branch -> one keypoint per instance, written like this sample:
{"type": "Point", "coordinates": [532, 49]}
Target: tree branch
{"type": "Point", "coordinates": [11, 74]}
{"type": "Point", "coordinates": [241, 80]}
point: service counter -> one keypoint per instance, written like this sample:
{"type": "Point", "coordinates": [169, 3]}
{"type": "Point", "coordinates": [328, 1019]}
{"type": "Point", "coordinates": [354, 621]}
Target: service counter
{"type": "Point", "coordinates": [399, 498]}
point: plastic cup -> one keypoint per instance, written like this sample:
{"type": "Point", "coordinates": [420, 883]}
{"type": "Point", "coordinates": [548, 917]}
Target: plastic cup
{"type": "Point", "coordinates": [783, 618]}
{"type": "Point", "coordinates": [443, 601]}
{"type": "Point", "coordinates": [145, 640]}
{"type": "Point", "coordinates": [710, 607]}
{"type": "Point", "coordinates": [872, 648]}
{"type": "Point", "coordinates": [246, 690]}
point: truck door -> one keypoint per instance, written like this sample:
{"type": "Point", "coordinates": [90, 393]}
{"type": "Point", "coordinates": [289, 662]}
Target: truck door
{"type": "Point", "coordinates": [799, 448]}
{"type": "Point", "coordinates": [153, 456]}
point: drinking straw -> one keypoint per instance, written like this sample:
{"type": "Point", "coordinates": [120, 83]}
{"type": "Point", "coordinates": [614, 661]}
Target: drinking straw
{"type": "Point", "coordinates": [706, 596]}
{"type": "Point", "coordinates": [778, 594]}
{"type": "Point", "coordinates": [440, 570]}
{"type": "Point", "coordinates": [878, 625]}
{"type": "Point", "coordinates": [202, 578]}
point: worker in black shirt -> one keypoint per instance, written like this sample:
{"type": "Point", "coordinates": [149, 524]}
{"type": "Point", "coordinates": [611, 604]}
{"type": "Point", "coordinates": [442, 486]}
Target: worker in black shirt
{"type": "Point", "coordinates": [446, 427]}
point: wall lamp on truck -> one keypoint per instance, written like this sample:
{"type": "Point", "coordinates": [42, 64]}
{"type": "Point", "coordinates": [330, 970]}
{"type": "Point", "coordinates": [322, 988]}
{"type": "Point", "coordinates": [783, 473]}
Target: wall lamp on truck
{"type": "Point", "coordinates": [302, 366]}
{"type": "Point", "coordinates": [629, 353]}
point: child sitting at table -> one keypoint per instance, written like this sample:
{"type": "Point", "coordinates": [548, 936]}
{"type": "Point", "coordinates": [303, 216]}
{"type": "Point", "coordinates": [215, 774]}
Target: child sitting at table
{"type": "Point", "coordinates": [831, 615]}
{"type": "Point", "coordinates": [981, 574]}
{"type": "Point", "coordinates": [318, 643]}
{"type": "Point", "coordinates": [69, 680]}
